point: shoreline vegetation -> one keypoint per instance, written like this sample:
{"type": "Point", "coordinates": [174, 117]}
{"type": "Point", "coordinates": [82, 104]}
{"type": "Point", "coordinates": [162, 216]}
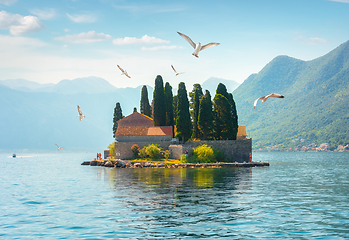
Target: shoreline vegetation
{"type": "Point", "coordinates": [170, 163]}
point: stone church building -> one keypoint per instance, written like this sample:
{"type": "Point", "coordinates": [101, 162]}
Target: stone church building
{"type": "Point", "coordinates": [138, 129]}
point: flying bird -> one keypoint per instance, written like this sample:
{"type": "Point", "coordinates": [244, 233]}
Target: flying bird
{"type": "Point", "coordinates": [264, 98]}
{"type": "Point", "coordinates": [58, 147]}
{"type": "Point", "coordinates": [123, 71]}
{"type": "Point", "coordinates": [176, 71]}
{"type": "Point", "coordinates": [198, 46]}
{"type": "Point", "coordinates": [81, 116]}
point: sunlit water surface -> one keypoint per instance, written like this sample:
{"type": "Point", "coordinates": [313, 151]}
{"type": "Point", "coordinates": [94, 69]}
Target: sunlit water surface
{"type": "Point", "coordinates": [51, 196]}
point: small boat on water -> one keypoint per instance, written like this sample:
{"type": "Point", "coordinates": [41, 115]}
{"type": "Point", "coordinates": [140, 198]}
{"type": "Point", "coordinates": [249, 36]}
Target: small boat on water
{"type": "Point", "coordinates": [14, 155]}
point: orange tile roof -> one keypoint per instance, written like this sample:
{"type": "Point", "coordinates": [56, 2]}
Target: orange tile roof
{"type": "Point", "coordinates": [136, 119]}
{"type": "Point", "coordinates": [144, 131]}
{"type": "Point", "coordinates": [160, 131]}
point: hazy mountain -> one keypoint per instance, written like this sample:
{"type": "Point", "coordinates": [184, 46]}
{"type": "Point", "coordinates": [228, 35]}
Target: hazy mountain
{"type": "Point", "coordinates": [212, 83]}
{"type": "Point", "coordinates": [79, 85]}
{"type": "Point", "coordinates": [315, 107]}
{"type": "Point", "coordinates": [39, 120]}
{"type": "Point", "coordinates": [25, 85]}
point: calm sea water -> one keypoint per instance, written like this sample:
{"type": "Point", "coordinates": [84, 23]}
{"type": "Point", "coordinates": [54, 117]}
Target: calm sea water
{"type": "Point", "coordinates": [51, 196]}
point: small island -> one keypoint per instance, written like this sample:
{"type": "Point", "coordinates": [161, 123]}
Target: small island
{"type": "Point", "coordinates": [175, 132]}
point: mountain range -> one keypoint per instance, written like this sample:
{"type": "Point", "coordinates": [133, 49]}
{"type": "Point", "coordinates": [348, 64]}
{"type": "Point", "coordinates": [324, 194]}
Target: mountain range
{"type": "Point", "coordinates": [315, 108]}
{"type": "Point", "coordinates": [38, 116]}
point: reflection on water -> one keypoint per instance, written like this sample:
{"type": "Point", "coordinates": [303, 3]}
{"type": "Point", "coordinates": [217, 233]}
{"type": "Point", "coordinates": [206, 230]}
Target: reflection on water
{"type": "Point", "coordinates": [300, 196]}
{"type": "Point", "coordinates": [182, 199]}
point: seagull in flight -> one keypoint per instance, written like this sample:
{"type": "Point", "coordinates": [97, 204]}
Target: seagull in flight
{"type": "Point", "coordinates": [176, 71]}
{"type": "Point", "coordinates": [81, 116]}
{"type": "Point", "coordinates": [123, 71]}
{"type": "Point", "coordinates": [58, 147]}
{"type": "Point", "coordinates": [198, 46]}
{"type": "Point", "coordinates": [264, 98]}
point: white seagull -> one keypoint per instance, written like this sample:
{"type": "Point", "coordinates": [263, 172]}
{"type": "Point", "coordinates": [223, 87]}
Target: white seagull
{"type": "Point", "coordinates": [264, 98]}
{"type": "Point", "coordinates": [176, 71]}
{"type": "Point", "coordinates": [198, 46]}
{"type": "Point", "coordinates": [123, 72]}
{"type": "Point", "coordinates": [81, 116]}
{"type": "Point", "coordinates": [58, 147]}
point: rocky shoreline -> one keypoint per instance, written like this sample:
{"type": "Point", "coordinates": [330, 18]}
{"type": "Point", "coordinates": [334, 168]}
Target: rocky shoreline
{"type": "Point", "coordinates": [146, 164]}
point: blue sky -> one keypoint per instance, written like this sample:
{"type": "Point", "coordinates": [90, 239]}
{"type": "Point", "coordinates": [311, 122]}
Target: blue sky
{"type": "Point", "coordinates": [47, 41]}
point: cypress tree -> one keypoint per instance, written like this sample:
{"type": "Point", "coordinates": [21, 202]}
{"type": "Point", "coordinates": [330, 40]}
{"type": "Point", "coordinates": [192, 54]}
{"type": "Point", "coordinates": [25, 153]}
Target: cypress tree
{"type": "Point", "coordinates": [117, 117]}
{"type": "Point", "coordinates": [169, 106]}
{"type": "Point", "coordinates": [175, 103]}
{"type": "Point", "coordinates": [222, 118]}
{"type": "Point", "coordinates": [144, 106]}
{"type": "Point", "coordinates": [205, 119]}
{"type": "Point", "coordinates": [234, 116]}
{"type": "Point", "coordinates": [221, 89]}
{"type": "Point", "coordinates": [195, 97]}
{"type": "Point", "coordinates": [183, 122]}
{"type": "Point", "coordinates": [159, 109]}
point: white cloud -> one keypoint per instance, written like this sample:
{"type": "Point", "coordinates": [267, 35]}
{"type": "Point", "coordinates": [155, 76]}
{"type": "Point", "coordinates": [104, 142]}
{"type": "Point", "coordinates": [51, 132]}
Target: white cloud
{"type": "Point", "coordinates": [84, 37]}
{"type": "Point", "coordinates": [15, 42]}
{"type": "Point", "coordinates": [82, 18]}
{"type": "Point", "coordinates": [18, 24]}
{"type": "Point", "coordinates": [7, 2]}
{"type": "Point", "coordinates": [143, 40]}
{"type": "Point", "coordinates": [160, 48]}
{"type": "Point", "coordinates": [66, 30]}
{"type": "Point", "coordinates": [45, 13]}
{"type": "Point", "coordinates": [315, 40]}
{"type": "Point", "coordinates": [342, 1]}
{"type": "Point", "coordinates": [299, 37]}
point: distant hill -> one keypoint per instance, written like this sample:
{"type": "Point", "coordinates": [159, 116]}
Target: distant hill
{"type": "Point", "coordinates": [37, 118]}
{"type": "Point", "coordinates": [79, 85]}
{"type": "Point", "coordinates": [212, 83]}
{"type": "Point", "coordinates": [25, 85]}
{"type": "Point", "coordinates": [316, 104]}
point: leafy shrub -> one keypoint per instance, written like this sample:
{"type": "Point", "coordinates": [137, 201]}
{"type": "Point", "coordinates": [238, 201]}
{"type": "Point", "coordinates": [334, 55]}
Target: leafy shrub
{"type": "Point", "coordinates": [184, 158]}
{"type": "Point", "coordinates": [135, 150]}
{"type": "Point", "coordinates": [142, 153]}
{"type": "Point", "coordinates": [111, 148]}
{"type": "Point", "coordinates": [166, 154]}
{"type": "Point", "coordinates": [153, 150]}
{"type": "Point", "coordinates": [204, 154]}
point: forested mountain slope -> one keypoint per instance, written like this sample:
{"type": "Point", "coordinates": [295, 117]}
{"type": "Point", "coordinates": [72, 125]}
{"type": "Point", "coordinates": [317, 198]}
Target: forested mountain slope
{"type": "Point", "coordinates": [315, 107]}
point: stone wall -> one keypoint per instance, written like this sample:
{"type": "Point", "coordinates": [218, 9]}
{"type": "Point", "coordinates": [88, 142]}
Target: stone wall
{"type": "Point", "coordinates": [123, 149]}
{"type": "Point", "coordinates": [234, 150]}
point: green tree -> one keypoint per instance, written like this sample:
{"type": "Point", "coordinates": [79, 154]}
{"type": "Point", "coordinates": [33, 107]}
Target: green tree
{"type": "Point", "coordinates": [222, 118]}
{"type": "Point", "coordinates": [234, 115]}
{"type": "Point", "coordinates": [169, 106]}
{"type": "Point", "coordinates": [195, 97]}
{"type": "Point", "coordinates": [175, 103]}
{"type": "Point", "coordinates": [117, 117]}
{"type": "Point", "coordinates": [221, 89]}
{"type": "Point", "coordinates": [183, 122]}
{"type": "Point", "coordinates": [159, 102]}
{"type": "Point", "coordinates": [145, 106]}
{"type": "Point", "coordinates": [205, 119]}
